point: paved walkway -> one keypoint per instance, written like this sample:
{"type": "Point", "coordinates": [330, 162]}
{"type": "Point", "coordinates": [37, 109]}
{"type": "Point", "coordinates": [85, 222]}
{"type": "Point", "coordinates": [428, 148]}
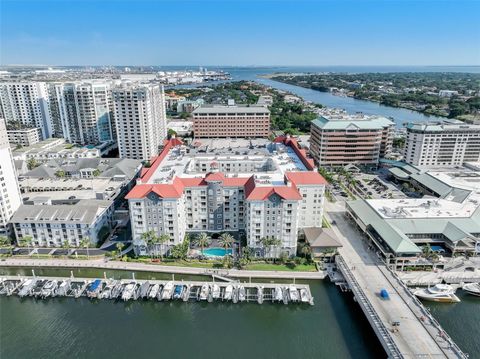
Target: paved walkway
{"type": "Point", "coordinates": [134, 266]}
{"type": "Point", "coordinates": [414, 338]}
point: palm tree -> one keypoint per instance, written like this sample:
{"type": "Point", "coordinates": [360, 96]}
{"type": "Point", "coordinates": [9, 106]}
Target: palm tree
{"type": "Point", "coordinates": [25, 241]}
{"type": "Point", "coordinates": [6, 242]}
{"type": "Point", "coordinates": [269, 242]}
{"type": "Point", "coordinates": [202, 241]}
{"type": "Point", "coordinates": [85, 243]}
{"type": "Point", "coordinates": [119, 247]}
{"type": "Point", "coordinates": [306, 250]}
{"type": "Point", "coordinates": [148, 238]}
{"type": "Point", "coordinates": [226, 241]}
{"type": "Point", "coordinates": [164, 238]}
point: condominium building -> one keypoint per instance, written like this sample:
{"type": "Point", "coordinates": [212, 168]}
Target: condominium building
{"type": "Point", "coordinates": [83, 111]}
{"type": "Point", "coordinates": [141, 120]}
{"type": "Point", "coordinates": [256, 187]}
{"type": "Point", "coordinates": [27, 103]}
{"type": "Point", "coordinates": [10, 198]}
{"type": "Point", "coordinates": [343, 139]}
{"type": "Point", "coordinates": [241, 121]}
{"type": "Point", "coordinates": [449, 142]}
{"type": "Point", "coordinates": [24, 136]}
{"type": "Point", "coordinates": [54, 225]}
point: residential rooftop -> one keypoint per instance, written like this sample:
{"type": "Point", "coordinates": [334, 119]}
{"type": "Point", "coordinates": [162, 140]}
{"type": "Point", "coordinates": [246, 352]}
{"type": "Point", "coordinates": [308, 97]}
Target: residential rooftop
{"type": "Point", "coordinates": [343, 121]}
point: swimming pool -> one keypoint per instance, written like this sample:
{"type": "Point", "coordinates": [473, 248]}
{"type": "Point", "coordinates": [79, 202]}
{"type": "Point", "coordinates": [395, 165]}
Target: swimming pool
{"type": "Point", "coordinates": [216, 252]}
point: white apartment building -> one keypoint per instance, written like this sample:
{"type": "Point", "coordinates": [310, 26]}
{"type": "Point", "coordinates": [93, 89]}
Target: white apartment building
{"type": "Point", "coordinates": [10, 198]}
{"type": "Point", "coordinates": [449, 142]}
{"type": "Point", "coordinates": [141, 120]}
{"type": "Point", "coordinates": [53, 225]}
{"type": "Point", "coordinates": [82, 111]}
{"type": "Point", "coordinates": [257, 187]}
{"type": "Point", "coordinates": [27, 103]}
{"type": "Point", "coordinates": [25, 136]}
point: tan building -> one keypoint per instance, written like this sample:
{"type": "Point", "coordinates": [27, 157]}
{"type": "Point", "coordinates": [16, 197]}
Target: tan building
{"type": "Point", "coordinates": [346, 139]}
{"type": "Point", "coordinates": [245, 121]}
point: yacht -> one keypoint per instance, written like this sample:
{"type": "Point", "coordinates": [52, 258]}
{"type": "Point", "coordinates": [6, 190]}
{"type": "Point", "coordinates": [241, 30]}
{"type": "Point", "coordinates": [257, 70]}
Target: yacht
{"type": "Point", "coordinates": [49, 289]}
{"type": "Point", "coordinates": [128, 291]}
{"type": "Point", "coordinates": [438, 293]}
{"type": "Point", "coordinates": [228, 292]}
{"type": "Point", "coordinates": [94, 288]}
{"type": "Point", "coordinates": [107, 291]}
{"type": "Point", "coordinates": [472, 288]}
{"type": "Point", "coordinates": [143, 291]}
{"type": "Point", "coordinates": [117, 290]}
{"type": "Point", "coordinates": [241, 294]}
{"type": "Point", "coordinates": [260, 294]}
{"type": "Point", "coordinates": [304, 296]}
{"type": "Point", "coordinates": [177, 293]}
{"type": "Point", "coordinates": [167, 291]}
{"type": "Point", "coordinates": [204, 292]}
{"type": "Point", "coordinates": [215, 291]}
{"type": "Point", "coordinates": [278, 296]}
{"type": "Point", "coordinates": [26, 287]}
{"type": "Point", "coordinates": [293, 293]}
{"type": "Point", "coordinates": [152, 294]}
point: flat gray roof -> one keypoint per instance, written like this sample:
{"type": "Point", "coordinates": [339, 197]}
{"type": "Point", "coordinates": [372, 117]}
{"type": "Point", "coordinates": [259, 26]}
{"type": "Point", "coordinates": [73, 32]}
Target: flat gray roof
{"type": "Point", "coordinates": [214, 109]}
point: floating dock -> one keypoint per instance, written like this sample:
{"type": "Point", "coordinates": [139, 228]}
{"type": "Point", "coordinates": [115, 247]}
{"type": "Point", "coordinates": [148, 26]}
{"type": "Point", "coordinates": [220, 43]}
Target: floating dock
{"type": "Point", "coordinates": [160, 290]}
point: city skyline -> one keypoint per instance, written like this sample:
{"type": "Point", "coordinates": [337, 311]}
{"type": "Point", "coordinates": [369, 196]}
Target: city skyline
{"type": "Point", "coordinates": [306, 33]}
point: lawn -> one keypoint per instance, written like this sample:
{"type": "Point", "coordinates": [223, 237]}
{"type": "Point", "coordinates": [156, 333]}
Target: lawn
{"type": "Point", "coordinates": [281, 267]}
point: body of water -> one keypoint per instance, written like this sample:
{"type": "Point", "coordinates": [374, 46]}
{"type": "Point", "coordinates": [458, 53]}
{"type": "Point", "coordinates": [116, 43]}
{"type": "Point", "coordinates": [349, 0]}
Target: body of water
{"type": "Point", "coordinates": [79, 328]}
{"type": "Point", "coordinates": [351, 105]}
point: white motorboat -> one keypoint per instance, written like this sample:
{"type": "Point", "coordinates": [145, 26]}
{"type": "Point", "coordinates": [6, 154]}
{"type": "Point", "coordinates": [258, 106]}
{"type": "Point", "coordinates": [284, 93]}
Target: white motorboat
{"type": "Point", "coordinates": [472, 288]}
{"type": "Point", "coordinates": [152, 294]}
{"type": "Point", "coordinates": [241, 294]}
{"type": "Point", "coordinates": [293, 293]}
{"type": "Point", "coordinates": [438, 293]}
{"type": "Point", "coordinates": [49, 288]}
{"type": "Point", "coordinates": [26, 287]}
{"type": "Point", "coordinates": [168, 291]}
{"type": "Point", "coordinates": [228, 292]}
{"type": "Point", "coordinates": [260, 294]}
{"type": "Point", "coordinates": [278, 296]}
{"type": "Point", "coordinates": [204, 292]}
{"type": "Point", "coordinates": [63, 288]}
{"type": "Point", "coordinates": [215, 291]}
{"type": "Point", "coordinates": [304, 297]}
{"type": "Point", "coordinates": [128, 292]}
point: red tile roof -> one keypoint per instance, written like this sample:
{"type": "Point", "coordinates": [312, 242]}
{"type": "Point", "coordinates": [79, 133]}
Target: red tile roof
{"type": "Point", "coordinates": [305, 178]}
{"type": "Point", "coordinates": [262, 193]}
{"type": "Point", "coordinates": [173, 190]}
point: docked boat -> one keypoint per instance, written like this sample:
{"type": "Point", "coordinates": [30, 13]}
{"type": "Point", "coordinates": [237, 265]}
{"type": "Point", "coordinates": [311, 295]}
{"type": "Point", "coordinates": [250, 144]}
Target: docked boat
{"type": "Point", "coordinates": [293, 293]}
{"type": "Point", "coordinates": [107, 291]}
{"type": "Point", "coordinates": [304, 297]}
{"type": "Point", "coordinates": [128, 292]}
{"type": "Point", "coordinates": [278, 295]}
{"type": "Point", "coordinates": [228, 292]}
{"type": "Point", "coordinates": [117, 290]}
{"type": "Point", "coordinates": [177, 293]}
{"type": "Point", "coordinates": [49, 288]}
{"type": "Point", "coordinates": [204, 292]}
{"type": "Point", "coordinates": [241, 294]}
{"type": "Point", "coordinates": [143, 291]}
{"type": "Point", "coordinates": [438, 293]}
{"type": "Point", "coordinates": [94, 288]}
{"type": "Point", "coordinates": [215, 291]}
{"type": "Point", "coordinates": [260, 294]}
{"type": "Point", "coordinates": [168, 291]}
{"type": "Point", "coordinates": [472, 288]}
{"type": "Point", "coordinates": [26, 287]}
{"type": "Point", "coordinates": [152, 294]}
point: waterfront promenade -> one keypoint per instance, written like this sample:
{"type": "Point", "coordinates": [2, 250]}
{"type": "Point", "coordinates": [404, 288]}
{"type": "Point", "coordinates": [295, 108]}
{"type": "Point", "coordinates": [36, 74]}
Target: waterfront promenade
{"type": "Point", "coordinates": [418, 334]}
{"type": "Point", "coordinates": [144, 267]}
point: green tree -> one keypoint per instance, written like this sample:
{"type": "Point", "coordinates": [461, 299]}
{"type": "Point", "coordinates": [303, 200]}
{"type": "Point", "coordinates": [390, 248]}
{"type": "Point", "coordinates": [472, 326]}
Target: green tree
{"type": "Point", "coordinates": [60, 174]}
{"type": "Point", "coordinates": [96, 173]}
{"type": "Point", "coordinates": [270, 243]}
{"type": "Point", "coordinates": [162, 239]}
{"type": "Point", "coordinates": [25, 241]}
{"type": "Point", "coordinates": [85, 243]}
{"type": "Point", "coordinates": [202, 241]}
{"type": "Point", "coordinates": [226, 241]}
{"type": "Point", "coordinates": [149, 237]}
{"type": "Point", "coordinates": [306, 250]}
{"type": "Point", "coordinates": [119, 246]}
{"type": "Point", "coordinates": [32, 163]}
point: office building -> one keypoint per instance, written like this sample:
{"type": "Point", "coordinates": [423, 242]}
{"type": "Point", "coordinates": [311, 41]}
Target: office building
{"type": "Point", "coordinates": [342, 139]}
{"type": "Point", "coordinates": [449, 142]}
{"type": "Point", "coordinates": [234, 121]}
{"type": "Point", "coordinates": [10, 198]}
{"type": "Point", "coordinates": [141, 120]}
{"type": "Point", "coordinates": [27, 104]}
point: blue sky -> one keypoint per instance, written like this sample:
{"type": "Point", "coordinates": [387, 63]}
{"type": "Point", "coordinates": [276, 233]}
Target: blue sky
{"type": "Point", "coordinates": [361, 32]}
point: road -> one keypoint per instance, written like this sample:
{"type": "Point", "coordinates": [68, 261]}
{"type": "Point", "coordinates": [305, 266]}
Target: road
{"type": "Point", "coordinates": [412, 338]}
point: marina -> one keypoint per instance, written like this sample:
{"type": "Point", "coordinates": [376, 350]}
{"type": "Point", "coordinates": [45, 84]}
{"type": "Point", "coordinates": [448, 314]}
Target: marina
{"type": "Point", "coordinates": [160, 290]}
